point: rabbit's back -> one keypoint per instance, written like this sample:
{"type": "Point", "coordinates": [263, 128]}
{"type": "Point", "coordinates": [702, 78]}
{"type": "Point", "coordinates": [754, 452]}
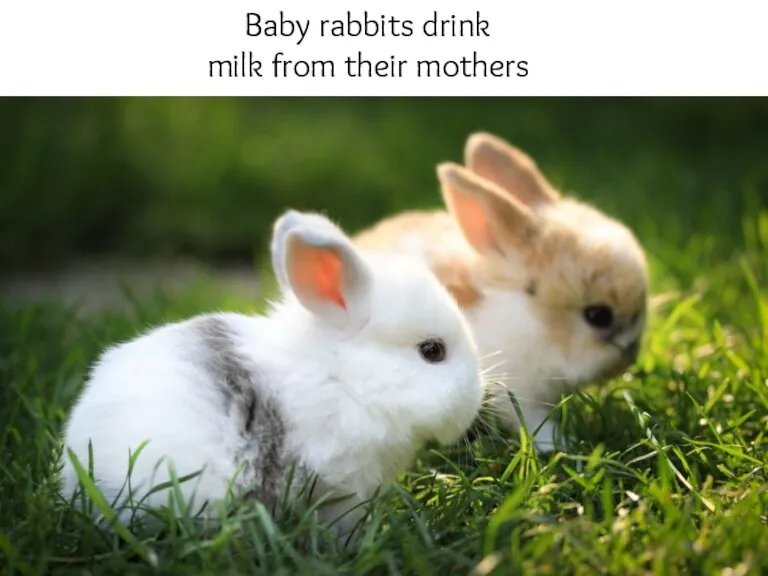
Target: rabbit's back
{"type": "Point", "coordinates": [189, 391]}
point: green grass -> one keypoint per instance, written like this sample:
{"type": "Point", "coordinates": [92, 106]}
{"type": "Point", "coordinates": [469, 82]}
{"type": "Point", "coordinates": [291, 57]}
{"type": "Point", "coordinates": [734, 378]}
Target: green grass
{"type": "Point", "coordinates": [666, 475]}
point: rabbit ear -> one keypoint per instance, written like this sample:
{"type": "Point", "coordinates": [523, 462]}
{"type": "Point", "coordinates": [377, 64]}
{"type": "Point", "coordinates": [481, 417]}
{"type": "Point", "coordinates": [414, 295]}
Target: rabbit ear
{"type": "Point", "coordinates": [282, 226]}
{"type": "Point", "coordinates": [315, 260]}
{"type": "Point", "coordinates": [290, 220]}
{"type": "Point", "coordinates": [510, 168]}
{"type": "Point", "coordinates": [487, 216]}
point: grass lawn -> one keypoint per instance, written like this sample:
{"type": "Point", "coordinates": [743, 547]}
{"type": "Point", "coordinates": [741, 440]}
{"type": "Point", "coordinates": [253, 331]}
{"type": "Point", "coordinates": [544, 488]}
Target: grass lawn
{"type": "Point", "coordinates": [666, 473]}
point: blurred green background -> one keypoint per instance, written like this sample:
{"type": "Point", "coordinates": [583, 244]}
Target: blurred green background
{"type": "Point", "coordinates": [206, 177]}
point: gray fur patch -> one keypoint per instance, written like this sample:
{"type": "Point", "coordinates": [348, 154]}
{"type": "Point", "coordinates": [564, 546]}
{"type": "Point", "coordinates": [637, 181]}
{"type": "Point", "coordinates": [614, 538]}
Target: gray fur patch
{"type": "Point", "coordinates": [261, 456]}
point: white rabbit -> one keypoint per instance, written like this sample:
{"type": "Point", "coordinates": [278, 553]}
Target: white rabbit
{"type": "Point", "coordinates": [554, 289]}
{"type": "Point", "coordinates": [364, 360]}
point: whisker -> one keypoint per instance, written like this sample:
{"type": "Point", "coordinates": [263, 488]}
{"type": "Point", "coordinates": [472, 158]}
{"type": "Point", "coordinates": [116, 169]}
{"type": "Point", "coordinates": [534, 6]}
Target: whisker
{"type": "Point", "coordinates": [469, 449]}
{"type": "Point", "coordinates": [492, 366]}
{"type": "Point", "coordinates": [488, 428]}
{"type": "Point", "coordinates": [489, 354]}
{"type": "Point", "coordinates": [500, 377]}
{"type": "Point", "coordinates": [489, 372]}
{"type": "Point", "coordinates": [488, 401]}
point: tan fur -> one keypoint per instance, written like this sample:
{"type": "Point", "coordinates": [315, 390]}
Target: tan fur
{"type": "Point", "coordinates": [455, 270]}
{"type": "Point", "coordinates": [572, 271]}
{"type": "Point", "coordinates": [386, 233]}
{"type": "Point", "coordinates": [509, 168]}
{"type": "Point", "coordinates": [459, 279]}
{"type": "Point", "coordinates": [511, 222]}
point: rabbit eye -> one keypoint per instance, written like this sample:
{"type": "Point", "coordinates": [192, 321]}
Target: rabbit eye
{"type": "Point", "coordinates": [598, 316]}
{"type": "Point", "coordinates": [432, 350]}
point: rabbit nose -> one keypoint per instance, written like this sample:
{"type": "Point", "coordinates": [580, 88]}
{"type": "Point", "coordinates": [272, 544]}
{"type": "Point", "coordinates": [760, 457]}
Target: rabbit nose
{"type": "Point", "coordinates": [614, 333]}
{"type": "Point", "coordinates": [631, 352]}
{"type": "Point", "coordinates": [624, 323]}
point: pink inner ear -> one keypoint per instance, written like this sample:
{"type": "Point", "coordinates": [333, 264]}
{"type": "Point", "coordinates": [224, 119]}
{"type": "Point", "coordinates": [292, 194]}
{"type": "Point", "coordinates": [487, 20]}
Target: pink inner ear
{"type": "Point", "coordinates": [318, 270]}
{"type": "Point", "coordinates": [473, 220]}
{"type": "Point", "coordinates": [520, 184]}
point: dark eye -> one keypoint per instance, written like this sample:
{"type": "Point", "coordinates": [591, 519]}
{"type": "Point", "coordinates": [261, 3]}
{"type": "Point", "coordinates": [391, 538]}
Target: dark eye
{"type": "Point", "coordinates": [599, 316]}
{"type": "Point", "coordinates": [432, 350]}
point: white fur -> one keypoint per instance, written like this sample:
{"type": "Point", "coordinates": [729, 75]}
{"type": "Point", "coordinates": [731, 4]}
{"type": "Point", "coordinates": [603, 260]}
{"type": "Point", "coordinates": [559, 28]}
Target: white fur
{"type": "Point", "coordinates": [357, 406]}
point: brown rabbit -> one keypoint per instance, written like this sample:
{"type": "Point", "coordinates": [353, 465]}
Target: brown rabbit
{"type": "Point", "coordinates": [555, 290]}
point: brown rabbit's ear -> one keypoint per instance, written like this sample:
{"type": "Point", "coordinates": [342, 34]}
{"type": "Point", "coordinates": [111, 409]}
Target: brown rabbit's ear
{"type": "Point", "coordinates": [512, 169]}
{"type": "Point", "coordinates": [488, 217]}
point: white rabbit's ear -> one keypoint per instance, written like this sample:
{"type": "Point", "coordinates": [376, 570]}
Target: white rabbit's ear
{"type": "Point", "coordinates": [488, 218]}
{"type": "Point", "coordinates": [510, 168]}
{"type": "Point", "coordinates": [316, 261]}
{"type": "Point", "coordinates": [282, 226]}
{"type": "Point", "coordinates": [290, 220]}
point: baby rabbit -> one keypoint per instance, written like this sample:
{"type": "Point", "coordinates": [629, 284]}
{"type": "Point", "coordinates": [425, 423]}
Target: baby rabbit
{"type": "Point", "coordinates": [363, 360]}
{"type": "Point", "coordinates": [554, 289]}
